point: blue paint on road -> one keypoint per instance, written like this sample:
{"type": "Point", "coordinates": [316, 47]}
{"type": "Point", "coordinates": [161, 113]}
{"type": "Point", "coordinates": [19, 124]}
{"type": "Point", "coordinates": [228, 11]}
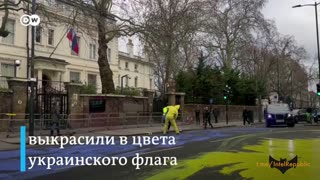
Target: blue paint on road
{"type": "Point", "coordinates": [9, 160]}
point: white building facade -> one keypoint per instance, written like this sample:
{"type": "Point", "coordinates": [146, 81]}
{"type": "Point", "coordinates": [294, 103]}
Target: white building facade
{"type": "Point", "coordinates": [56, 62]}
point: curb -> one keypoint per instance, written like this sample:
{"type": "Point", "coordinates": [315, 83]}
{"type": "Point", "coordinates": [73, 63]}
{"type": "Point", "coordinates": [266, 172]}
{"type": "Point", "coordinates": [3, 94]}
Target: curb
{"type": "Point", "coordinates": [312, 125]}
{"type": "Point", "coordinates": [27, 142]}
{"type": "Point", "coordinates": [16, 143]}
{"type": "Point", "coordinates": [200, 128]}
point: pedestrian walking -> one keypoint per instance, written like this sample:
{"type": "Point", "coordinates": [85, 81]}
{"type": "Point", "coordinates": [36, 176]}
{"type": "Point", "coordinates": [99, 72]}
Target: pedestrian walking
{"type": "Point", "coordinates": [245, 116]}
{"type": "Point", "coordinates": [207, 118]}
{"type": "Point", "coordinates": [10, 124]}
{"type": "Point", "coordinates": [216, 114]}
{"type": "Point", "coordinates": [315, 116]}
{"type": "Point", "coordinates": [55, 121]}
{"type": "Point", "coordinates": [197, 111]}
{"type": "Point", "coordinates": [171, 117]}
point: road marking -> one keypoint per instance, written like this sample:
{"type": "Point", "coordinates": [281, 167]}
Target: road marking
{"type": "Point", "coordinates": [264, 133]}
{"type": "Point", "coordinates": [63, 168]}
{"type": "Point", "coordinates": [161, 150]}
{"type": "Point", "coordinates": [233, 137]}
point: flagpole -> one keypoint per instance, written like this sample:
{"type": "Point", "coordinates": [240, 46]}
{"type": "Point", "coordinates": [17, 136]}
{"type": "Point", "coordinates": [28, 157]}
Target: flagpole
{"type": "Point", "coordinates": [73, 21]}
{"type": "Point", "coordinates": [59, 42]}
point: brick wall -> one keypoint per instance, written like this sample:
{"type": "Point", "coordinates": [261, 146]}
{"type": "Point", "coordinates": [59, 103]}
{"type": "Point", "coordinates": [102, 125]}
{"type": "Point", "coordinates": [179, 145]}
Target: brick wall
{"type": "Point", "coordinates": [116, 106]}
{"type": "Point", "coordinates": [5, 107]}
{"type": "Point", "coordinates": [235, 112]}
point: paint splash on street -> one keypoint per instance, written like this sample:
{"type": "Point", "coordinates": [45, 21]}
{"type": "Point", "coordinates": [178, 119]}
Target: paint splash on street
{"type": "Point", "coordinates": [250, 162]}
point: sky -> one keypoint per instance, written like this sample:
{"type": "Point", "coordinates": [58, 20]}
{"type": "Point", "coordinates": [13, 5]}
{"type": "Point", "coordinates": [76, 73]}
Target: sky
{"type": "Point", "coordinates": [298, 22]}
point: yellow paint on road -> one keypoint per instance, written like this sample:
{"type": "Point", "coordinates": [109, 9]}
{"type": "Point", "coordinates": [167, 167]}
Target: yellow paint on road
{"type": "Point", "coordinates": [246, 160]}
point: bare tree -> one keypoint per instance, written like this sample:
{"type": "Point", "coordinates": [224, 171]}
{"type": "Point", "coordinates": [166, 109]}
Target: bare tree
{"type": "Point", "coordinates": [289, 57]}
{"type": "Point", "coordinates": [313, 70]}
{"type": "Point", "coordinates": [229, 25]}
{"type": "Point", "coordinates": [168, 26]}
{"type": "Point", "coordinates": [313, 78]}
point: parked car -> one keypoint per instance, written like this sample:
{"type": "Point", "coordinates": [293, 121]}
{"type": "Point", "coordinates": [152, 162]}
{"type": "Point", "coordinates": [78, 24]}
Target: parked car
{"type": "Point", "coordinates": [316, 115]}
{"type": "Point", "coordinates": [279, 114]}
{"type": "Point", "coordinates": [299, 115]}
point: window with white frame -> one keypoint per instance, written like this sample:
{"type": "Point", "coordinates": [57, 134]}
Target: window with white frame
{"type": "Point", "coordinates": [74, 77]}
{"type": "Point", "coordinates": [10, 27]}
{"type": "Point", "coordinates": [92, 80]}
{"type": "Point", "coordinates": [109, 54]}
{"type": "Point", "coordinates": [136, 67]}
{"type": "Point", "coordinates": [92, 49]}
{"type": "Point", "coordinates": [136, 82]}
{"type": "Point", "coordinates": [38, 34]}
{"type": "Point", "coordinates": [7, 70]}
{"type": "Point", "coordinates": [127, 82]}
{"type": "Point", "coordinates": [51, 37]}
{"type": "Point", "coordinates": [151, 82]}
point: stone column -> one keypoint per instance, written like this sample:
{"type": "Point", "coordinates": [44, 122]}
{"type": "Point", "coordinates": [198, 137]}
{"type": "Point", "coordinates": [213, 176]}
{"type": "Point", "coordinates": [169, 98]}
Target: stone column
{"type": "Point", "coordinates": [182, 95]}
{"type": "Point", "coordinates": [74, 102]}
{"type": "Point", "coordinates": [6, 96]}
{"type": "Point", "coordinates": [150, 95]}
{"type": "Point", "coordinates": [171, 99]}
{"type": "Point", "coordinates": [183, 114]}
{"type": "Point", "coordinates": [59, 84]}
{"type": "Point", "coordinates": [63, 76]}
{"type": "Point", "coordinates": [20, 96]}
{"type": "Point", "coordinates": [39, 76]}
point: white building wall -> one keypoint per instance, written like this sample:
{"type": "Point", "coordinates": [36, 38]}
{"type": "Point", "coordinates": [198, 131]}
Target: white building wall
{"type": "Point", "coordinates": [81, 63]}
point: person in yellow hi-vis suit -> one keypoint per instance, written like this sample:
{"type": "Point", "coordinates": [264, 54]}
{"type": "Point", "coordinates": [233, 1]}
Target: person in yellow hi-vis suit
{"type": "Point", "coordinates": [165, 110]}
{"type": "Point", "coordinates": [171, 116]}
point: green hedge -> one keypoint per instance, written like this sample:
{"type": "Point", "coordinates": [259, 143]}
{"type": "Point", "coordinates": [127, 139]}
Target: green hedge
{"type": "Point", "coordinates": [129, 91]}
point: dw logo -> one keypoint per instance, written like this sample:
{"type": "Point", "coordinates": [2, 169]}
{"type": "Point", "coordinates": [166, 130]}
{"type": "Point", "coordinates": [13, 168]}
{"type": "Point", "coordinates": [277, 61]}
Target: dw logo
{"type": "Point", "coordinates": [27, 20]}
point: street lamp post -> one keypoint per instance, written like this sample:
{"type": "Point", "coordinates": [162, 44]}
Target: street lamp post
{"type": "Point", "coordinates": [16, 65]}
{"type": "Point", "coordinates": [32, 79]}
{"type": "Point", "coordinates": [317, 28]}
{"type": "Point", "coordinates": [227, 92]}
{"type": "Point", "coordinates": [278, 77]}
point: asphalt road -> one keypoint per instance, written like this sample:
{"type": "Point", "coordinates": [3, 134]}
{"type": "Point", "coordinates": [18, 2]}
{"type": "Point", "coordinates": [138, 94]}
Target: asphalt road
{"type": "Point", "coordinates": [224, 154]}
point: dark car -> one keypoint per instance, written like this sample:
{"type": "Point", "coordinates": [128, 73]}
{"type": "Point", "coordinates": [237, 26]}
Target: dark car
{"type": "Point", "coordinates": [300, 115]}
{"type": "Point", "coordinates": [316, 115]}
{"type": "Point", "coordinates": [279, 114]}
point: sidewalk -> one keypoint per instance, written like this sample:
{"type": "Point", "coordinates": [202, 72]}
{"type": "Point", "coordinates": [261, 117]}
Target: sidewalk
{"type": "Point", "coordinates": [159, 129]}
{"type": "Point", "coordinates": [118, 131]}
